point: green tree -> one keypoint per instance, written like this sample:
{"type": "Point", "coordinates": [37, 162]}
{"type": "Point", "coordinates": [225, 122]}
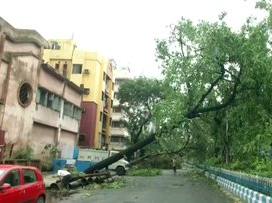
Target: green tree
{"type": "Point", "coordinates": [137, 98]}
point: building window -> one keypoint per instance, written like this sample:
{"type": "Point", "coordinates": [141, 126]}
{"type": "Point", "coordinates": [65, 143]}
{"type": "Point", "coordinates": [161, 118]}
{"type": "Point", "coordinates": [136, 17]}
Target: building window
{"type": "Point", "coordinates": [103, 140]}
{"type": "Point", "coordinates": [56, 105]}
{"type": "Point", "coordinates": [100, 117]}
{"type": "Point", "coordinates": [116, 124]}
{"type": "Point", "coordinates": [57, 66]}
{"type": "Point", "coordinates": [55, 45]}
{"type": "Point", "coordinates": [77, 113]}
{"type": "Point", "coordinates": [68, 109]}
{"type": "Point", "coordinates": [64, 71]}
{"type": "Point", "coordinates": [111, 103]}
{"type": "Point", "coordinates": [81, 140]}
{"type": "Point", "coordinates": [102, 97]}
{"type": "Point", "coordinates": [104, 76]}
{"type": "Point", "coordinates": [104, 124]}
{"type": "Point", "coordinates": [115, 139]}
{"type": "Point", "coordinates": [25, 94]}
{"type": "Point", "coordinates": [117, 109]}
{"type": "Point", "coordinates": [41, 97]}
{"type": "Point", "coordinates": [48, 99]}
{"type": "Point", "coordinates": [77, 68]}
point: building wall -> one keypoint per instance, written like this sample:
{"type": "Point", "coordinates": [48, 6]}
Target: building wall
{"type": "Point", "coordinates": [49, 82]}
{"type": "Point", "coordinates": [17, 121]}
{"type": "Point", "coordinates": [42, 135]}
{"type": "Point", "coordinates": [88, 124]}
{"type": "Point", "coordinates": [3, 83]}
{"type": "Point", "coordinates": [20, 57]}
{"type": "Point", "coordinates": [72, 96]}
{"type": "Point", "coordinates": [70, 124]}
{"type": "Point", "coordinates": [46, 116]}
{"type": "Point", "coordinates": [65, 127]}
{"type": "Point", "coordinates": [67, 143]}
{"type": "Point", "coordinates": [22, 48]}
{"type": "Point", "coordinates": [97, 67]}
{"type": "Point", "coordinates": [52, 119]}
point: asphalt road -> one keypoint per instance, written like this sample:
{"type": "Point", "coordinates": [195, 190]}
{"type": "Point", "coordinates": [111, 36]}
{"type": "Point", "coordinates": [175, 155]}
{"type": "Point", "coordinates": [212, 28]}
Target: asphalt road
{"type": "Point", "coordinates": [167, 188]}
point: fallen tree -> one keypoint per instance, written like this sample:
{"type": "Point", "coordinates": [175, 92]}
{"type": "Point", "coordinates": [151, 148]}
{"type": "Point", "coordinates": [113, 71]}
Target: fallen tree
{"type": "Point", "coordinates": [206, 68]}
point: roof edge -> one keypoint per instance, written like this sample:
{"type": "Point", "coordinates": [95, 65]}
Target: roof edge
{"type": "Point", "coordinates": [22, 35]}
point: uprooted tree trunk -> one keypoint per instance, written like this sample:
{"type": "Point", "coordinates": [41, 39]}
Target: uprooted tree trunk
{"type": "Point", "coordinates": [106, 162]}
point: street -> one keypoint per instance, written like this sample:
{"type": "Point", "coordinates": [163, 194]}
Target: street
{"type": "Point", "coordinates": [159, 189]}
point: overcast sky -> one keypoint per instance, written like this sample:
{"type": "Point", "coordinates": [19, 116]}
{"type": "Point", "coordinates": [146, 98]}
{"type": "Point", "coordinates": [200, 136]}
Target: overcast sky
{"type": "Point", "coordinates": [124, 30]}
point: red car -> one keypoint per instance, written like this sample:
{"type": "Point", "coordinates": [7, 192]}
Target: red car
{"type": "Point", "coordinates": [21, 184]}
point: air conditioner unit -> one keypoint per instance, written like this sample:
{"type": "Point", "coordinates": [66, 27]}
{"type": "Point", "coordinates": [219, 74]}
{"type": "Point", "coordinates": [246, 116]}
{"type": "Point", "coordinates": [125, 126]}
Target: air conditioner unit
{"type": "Point", "coordinates": [86, 91]}
{"type": "Point", "coordinates": [86, 71]}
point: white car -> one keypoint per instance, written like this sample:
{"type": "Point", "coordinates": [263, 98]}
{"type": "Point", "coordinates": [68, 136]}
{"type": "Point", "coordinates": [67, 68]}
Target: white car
{"type": "Point", "coordinates": [121, 166]}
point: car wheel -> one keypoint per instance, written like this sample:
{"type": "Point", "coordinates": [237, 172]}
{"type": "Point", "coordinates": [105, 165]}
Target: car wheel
{"type": "Point", "coordinates": [41, 200]}
{"type": "Point", "coordinates": [54, 186]}
{"type": "Point", "coordinates": [120, 170]}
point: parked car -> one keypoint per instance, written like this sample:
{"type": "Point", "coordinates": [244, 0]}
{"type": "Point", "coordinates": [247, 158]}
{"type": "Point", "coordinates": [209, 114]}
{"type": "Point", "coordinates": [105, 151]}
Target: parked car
{"type": "Point", "coordinates": [21, 184]}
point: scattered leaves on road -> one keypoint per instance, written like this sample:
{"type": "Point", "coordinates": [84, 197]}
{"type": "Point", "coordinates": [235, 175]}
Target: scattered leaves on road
{"type": "Point", "coordinates": [117, 184]}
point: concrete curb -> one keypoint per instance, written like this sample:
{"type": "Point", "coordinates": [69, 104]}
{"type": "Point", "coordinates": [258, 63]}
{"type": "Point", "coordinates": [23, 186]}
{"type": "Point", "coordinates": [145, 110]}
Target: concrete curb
{"type": "Point", "coordinates": [243, 192]}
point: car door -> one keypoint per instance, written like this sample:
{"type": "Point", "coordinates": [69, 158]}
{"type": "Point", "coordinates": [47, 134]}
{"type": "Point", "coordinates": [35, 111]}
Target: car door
{"type": "Point", "coordinates": [30, 185]}
{"type": "Point", "coordinates": [14, 193]}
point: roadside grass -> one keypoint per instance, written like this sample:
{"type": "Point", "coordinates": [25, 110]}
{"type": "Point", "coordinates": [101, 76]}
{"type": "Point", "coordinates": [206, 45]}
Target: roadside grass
{"type": "Point", "coordinates": [145, 172]}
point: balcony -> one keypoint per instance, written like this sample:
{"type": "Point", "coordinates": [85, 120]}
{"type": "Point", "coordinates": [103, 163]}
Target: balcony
{"type": "Point", "coordinates": [119, 132]}
{"type": "Point", "coordinates": [106, 105]}
{"type": "Point", "coordinates": [116, 116]}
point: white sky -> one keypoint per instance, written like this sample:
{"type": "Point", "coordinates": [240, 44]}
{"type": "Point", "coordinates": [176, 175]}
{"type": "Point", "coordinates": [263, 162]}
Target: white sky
{"type": "Point", "coordinates": [124, 30]}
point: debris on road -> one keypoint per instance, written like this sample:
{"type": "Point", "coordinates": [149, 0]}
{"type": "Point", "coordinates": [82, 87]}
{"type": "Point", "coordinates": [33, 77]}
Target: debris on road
{"type": "Point", "coordinates": [73, 181]}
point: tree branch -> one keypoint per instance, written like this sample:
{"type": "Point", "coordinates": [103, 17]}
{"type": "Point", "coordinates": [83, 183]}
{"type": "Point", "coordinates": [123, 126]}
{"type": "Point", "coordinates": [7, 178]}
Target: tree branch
{"type": "Point", "coordinates": [137, 135]}
{"type": "Point", "coordinates": [204, 96]}
{"type": "Point", "coordinates": [197, 111]}
{"type": "Point", "coordinates": [180, 151]}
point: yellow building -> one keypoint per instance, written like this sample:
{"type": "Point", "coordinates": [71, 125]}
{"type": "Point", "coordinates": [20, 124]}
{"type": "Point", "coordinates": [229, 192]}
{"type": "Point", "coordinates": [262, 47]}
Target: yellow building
{"type": "Point", "coordinates": [94, 73]}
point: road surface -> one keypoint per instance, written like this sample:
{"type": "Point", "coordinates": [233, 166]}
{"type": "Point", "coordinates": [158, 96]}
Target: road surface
{"type": "Point", "coordinates": [166, 188]}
